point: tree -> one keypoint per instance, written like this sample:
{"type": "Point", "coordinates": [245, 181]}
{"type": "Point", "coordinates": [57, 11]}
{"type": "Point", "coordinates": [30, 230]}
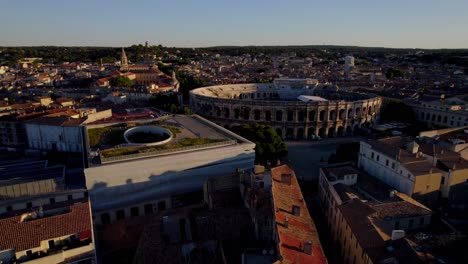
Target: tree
{"type": "Point", "coordinates": [121, 81]}
{"type": "Point", "coordinates": [166, 102]}
{"type": "Point", "coordinates": [269, 145]}
{"type": "Point", "coordinates": [391, 73]}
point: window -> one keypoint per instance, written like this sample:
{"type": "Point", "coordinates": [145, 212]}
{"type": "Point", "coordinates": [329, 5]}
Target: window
{"type": "Point", "coordinates": [52, 200]}
{"type": "Point", "coordinates": [421, 221]}
{"type": "Point", "coordinates": [51, 244]}
{"type": "Point", "coordinates": [387, 162]}
{"type": "Point", "coordinates": [378, 157]}
{"type": "Point", "coordinates": [120, 214]}
{"type": "Point", "coordinates": [29, 205]}
{"type": "Point", "coordinates": [411, 223]}
{"type": "Point", "coordinates": [162, 206]}
{"type": "Point", "coordinates": [148, 209]}
{"type": "Point", "coordinates": [397, 225]}
{"type": "Point", "coordinates": [372, 155]}
{"type": "Point", "coordinates": [442, 181]}
{"type": "Point", "coordinates": [105, 218]}
{"type": "Point", "coordinates": [134, 211]}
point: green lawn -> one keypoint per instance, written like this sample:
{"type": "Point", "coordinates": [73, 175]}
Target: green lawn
{"type": "Point", "coordinates": [113, 135]}
{"type": "Point", "coordinates": [185, 142]}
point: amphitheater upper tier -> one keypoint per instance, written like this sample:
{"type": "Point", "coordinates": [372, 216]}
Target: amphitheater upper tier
{"type": "Point", "coordinates": [296, 108]}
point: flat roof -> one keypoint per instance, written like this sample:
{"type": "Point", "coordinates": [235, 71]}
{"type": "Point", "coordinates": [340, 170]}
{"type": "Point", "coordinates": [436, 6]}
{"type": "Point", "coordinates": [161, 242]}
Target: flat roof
{"type": "Point", "coordinates": [189, 127]}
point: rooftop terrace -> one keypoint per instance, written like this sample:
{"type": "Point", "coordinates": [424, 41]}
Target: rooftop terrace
{"type": "Point", "coordinates": [189, 133]}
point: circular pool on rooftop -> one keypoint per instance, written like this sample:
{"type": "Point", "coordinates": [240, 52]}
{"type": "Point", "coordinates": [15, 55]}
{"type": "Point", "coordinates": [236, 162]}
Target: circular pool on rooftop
{"type": "Point", "coordinates": [147, 135]}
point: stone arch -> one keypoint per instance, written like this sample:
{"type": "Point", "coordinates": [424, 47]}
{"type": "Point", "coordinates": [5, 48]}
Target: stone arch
{"type": "Point", "coordinates": [311, 132]}
{"type": "Point", "coordinates": [217, 111]}
{"type": "Point", "coordinates": [300, 133]}
{"type": "Point", "coordinates": [428, 116]}
{"type": "Point", "coordinates": [257, 114]}
{"type": "Point", "coordinates": [341, 115]}
{"type": "Point", "coordinates": [369, 110]}
{"type": "Point", "coordinates": [332, 115]}
{"type": "Point", "coordinates": [358, 112]}
{"type": "Point", "coordinates": [246, 113]}
{"type": "Point", "coordinates": [290, 133]}
{"type": "Point", "coordinates": [331, 132]}
{"type": "Point", "coordinates": [439, 118]}
{"type": "Point", "coordinates": [311, 115]}
{"type": "Point", "coordinates": [268, 115]}
{"type": "Point", "coordinates": [364, 111]}
{"type": "Point", "coordinates": [236, 113]}
{"type": "Point", "coordinates": [349, 131]}
{"type": "Point", "coordinates": [322, 132]}
{"type": "Point", "coordinates": [350, 113]}
{"type": "Point", "coordinates": [356, 129]}
{"type": "Point", "coordinates": [301, 115]}
{"type": "Point", "coordinates": [445, 119]}
{"type": "Point", "coordinates": [226, 112]}
{"type": "Point", "coordinates": [422, 115]}
{"type": "Point", "coordinates": [290, 117]}
{"type": "Point", "coordinates": [340, 131]}
{"type": "Point", "coordinates": [322, 115]}
{"type": "Point", "coordinates": [279, 115]}
{"type": "Point", "coordinates": [433, 117]}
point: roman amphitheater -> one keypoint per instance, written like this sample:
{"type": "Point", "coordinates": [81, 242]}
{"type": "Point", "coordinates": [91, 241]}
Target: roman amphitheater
{"type": "Point", "coordinates": [296, 108]}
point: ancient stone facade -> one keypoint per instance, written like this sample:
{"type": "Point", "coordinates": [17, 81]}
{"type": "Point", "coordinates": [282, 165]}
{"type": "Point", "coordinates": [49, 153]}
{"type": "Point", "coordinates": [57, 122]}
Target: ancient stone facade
{"type": "Point", "coordinates": [342, 114]}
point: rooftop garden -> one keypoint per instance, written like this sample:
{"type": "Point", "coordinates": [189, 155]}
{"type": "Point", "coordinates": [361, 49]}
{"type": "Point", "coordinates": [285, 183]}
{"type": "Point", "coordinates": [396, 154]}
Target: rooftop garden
{"type": "Point", "coordinates": [113, 135]}
{"type": "Point", "coordinates": [184, 142]}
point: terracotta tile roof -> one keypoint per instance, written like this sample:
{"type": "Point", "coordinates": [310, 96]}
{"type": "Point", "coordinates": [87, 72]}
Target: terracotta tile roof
{"type": "Point", "coordinates": [29, 234]}
{"type": "Point", "coordinates": [300, 227]}
{"type": "Point", "coordinates": [400, 209]}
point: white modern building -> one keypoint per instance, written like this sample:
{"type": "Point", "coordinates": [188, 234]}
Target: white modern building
{"type": "Point", "coordinates": [134, 185]}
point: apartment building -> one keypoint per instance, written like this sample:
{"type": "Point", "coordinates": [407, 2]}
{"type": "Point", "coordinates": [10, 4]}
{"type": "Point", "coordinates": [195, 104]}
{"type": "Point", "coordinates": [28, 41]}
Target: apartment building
{"type": "Point", "coordinates": [365, 217]}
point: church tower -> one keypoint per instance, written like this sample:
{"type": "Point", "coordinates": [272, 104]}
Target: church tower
{"type": "Point", "coordinates": [123, 62]}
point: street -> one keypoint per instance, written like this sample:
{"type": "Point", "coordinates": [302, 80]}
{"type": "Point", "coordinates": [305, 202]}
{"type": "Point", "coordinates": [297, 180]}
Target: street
{"type": "Point", "coordinates": [305, 156]}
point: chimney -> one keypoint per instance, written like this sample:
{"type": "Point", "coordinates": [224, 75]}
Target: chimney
{"type": "Point", "coordinates": [286, 222]}
{"type": "Point", "coordinates": [296, 210]}
{"type": "Point", "coordinates": [308, 247]}
{"type": "Point", "coordinates": [286, 178]}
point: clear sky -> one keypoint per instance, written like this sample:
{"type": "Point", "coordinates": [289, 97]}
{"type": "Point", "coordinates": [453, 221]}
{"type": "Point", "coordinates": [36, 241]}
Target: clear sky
{"type": "Point", "coordinates": [202, 23]}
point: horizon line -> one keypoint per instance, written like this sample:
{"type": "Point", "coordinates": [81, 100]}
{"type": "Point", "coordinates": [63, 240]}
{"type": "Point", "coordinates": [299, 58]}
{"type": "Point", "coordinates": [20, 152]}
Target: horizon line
{"type": "Point", "coordinates": [229, 46]}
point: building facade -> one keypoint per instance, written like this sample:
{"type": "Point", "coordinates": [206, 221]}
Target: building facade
{"type": "Point", "coordinates": [322, 110]}
{"type": "Point", "coordinates": [450, 112]}
{"type": "Point", "coordinates": [362, 215]}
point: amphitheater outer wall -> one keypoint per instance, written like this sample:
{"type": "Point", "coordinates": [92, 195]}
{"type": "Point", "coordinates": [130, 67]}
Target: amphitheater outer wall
{"type": "Point", "coordinates": [292, 119]}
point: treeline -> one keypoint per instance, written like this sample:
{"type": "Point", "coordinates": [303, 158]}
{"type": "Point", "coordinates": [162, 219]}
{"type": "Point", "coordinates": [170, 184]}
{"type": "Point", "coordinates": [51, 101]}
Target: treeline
{"type": "Point", "coordinates": [136, 53]}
